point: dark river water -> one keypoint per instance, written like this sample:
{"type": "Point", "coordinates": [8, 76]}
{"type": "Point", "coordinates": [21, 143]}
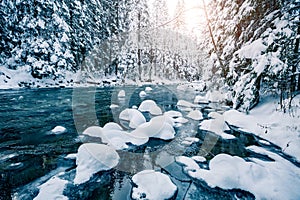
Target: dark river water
{"type": "Point", "coordinates": [30, 153]}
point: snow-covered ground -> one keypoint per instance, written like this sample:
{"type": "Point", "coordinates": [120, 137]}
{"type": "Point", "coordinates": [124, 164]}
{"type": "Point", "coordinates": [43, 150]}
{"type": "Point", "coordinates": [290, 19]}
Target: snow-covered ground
{"type": "Point", "coordinates": [20, 78]}
{"type": "Point", "coordinates": [13, 79]}
{"type": "Point", "coordinates": [268, 122]}
{"type": "Point", "coordinates": [266, 180]}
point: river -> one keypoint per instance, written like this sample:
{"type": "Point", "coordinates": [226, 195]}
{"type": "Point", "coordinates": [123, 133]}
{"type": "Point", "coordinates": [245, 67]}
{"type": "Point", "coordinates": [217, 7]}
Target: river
{"type": "Point", "coordinates": [30, 153]}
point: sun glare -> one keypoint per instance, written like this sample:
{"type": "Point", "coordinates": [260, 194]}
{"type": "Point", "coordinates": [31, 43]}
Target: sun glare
{"type": "Point", "coordinates": [193, 14]}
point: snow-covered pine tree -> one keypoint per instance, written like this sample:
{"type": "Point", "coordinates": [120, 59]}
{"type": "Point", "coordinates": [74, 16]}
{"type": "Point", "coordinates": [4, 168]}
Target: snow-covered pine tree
{"type": "Point", "coordinates": [49, 38]}
{"type": "Point", "coordinates": [159, 17]}
{"type": "Point", "coordinates": [252, 39]}
{"type": "Point", "coordinates": [137, 43]}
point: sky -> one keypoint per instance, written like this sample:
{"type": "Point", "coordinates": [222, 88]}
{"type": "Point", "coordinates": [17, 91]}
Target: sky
{"type": "Point", "coordinates": [194, 16]}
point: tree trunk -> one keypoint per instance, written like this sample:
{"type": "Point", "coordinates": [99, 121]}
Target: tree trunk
{"type": "Point", "coordinates": [139, 50]}
{"type": "Point", "coordinates": [224, 74]}
{"type": "Point", "coordinates": [295, 60]}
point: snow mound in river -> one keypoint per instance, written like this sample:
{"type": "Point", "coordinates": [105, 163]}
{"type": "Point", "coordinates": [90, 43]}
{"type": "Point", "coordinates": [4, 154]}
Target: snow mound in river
{"type": "Point", "coordinates": [92, 158]}
{"type": "Point", "coordinates": [134, 117]}
{"type": "Point", "coordinates": [153, 186]}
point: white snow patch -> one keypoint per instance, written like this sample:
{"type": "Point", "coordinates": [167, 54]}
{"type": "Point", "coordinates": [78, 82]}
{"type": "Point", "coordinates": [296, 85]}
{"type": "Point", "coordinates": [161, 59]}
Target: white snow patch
{"type": "Point", "coordinates": [113, 135]}
{"type": "Point", "coordinates": [266, 180]}
{"type": "Point", "coordinates": [275, 126]}
{"type": "Point", "coordinates": [119, 139]}
{"type": "Point", "coordinates": [216, 125]}
{"type": "Point", "coordinates": [158, 127]}
{"type": "Point", "coordinates": [194, 86]}
{"type": "Point", "coordinates": [52, 189]}
{"type": "Point", "coordinates": [112, 126]}
{"type": "Point", "coordinates": [65, 38]}
{"type": "Point", "coordinates": [190, 140]}
{"type": "Point", "coordinates": [189, 163]}
{"type": "Point", "coordinates": [134, 117]}
{"type": "Point", "coordinates": [155, 110]}
{"type": "Point", "coordinates": [94, 131]}
{"type": "Point", "coordinates": [199, 158]}
{"type": "Point", "coordinates": [121, 93]}
{"type": "Point", "coordinates": [142, 94]}
{"type": "Point", "coordinates": [150, 106]}
{"type": "Point", "coordinates": [181, 120]}
{"type": "Point", "coordinates": [185, 103]}
{"type": "Point", "coordinates": [195, 115]}
{"type": "Point", "coordinates": [173, 113]}
{"type": "Point", "coordinates": [264, 142]}
{"type": "Point", "coordinates": [113, 106]}
{"type": "Point", "coordinates": [148, 89]}
{"type": "Point", "coordinates": [58, 130]}
{"type": "Point", "coordinates": [155, 185]}
{"type": "Point", "coordinates": [200, 100]}
{"type": "Point", "coordinates": [215, 96]}
{"type": "Point", "coordinates": [252, 50]}
{"type": "Point", "coordinates": [41, 23]}
{"type": "Point", "coordinates": [71, 156]}
{"type": "Point", "coordinates": [92, 158]}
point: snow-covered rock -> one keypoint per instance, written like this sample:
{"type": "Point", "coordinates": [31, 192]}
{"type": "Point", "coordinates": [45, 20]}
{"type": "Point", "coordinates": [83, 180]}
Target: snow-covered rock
{"type": "Point", "coordinates": [94, 131]}
{"type": "Point", "coordinates": [113, 106]}
{"type": "Point", "coordinates": [195, 115]}
{"type": "Point", "coordinates": [215, 115]}
{"type": "Point", "coordinates": [158, 127]}
{"type": "Point", "coordinates": [155, 110]}
{"type": "Point", "coordinates": [119, 139]}
{"type": "Point", "coordinates": [134, 117]}
{"type": "Point", "coordinates": [216, 125]}
{"type": "Point", "coordinates": [189, 140]}
{"type": "Point", "coordinates": [112, 126]}
{"type": "Point", "coordinates": [58, 130]}
{"type": "Point", "coordinates": [200, 100]}
{"type": "Point", "coordinates": [173, 114]}
{"type": "Point", "coordinates": [215, 96]}
{"type": "Point", "coordinates": [71, 156]}
{"type": "Point", "coordinates": [166, 133]}
{"type": "Point", "coordinates": [52, 189]}
{"type": "Point", "coordinates": [121, 94]}
{"type": "Point", "coordinates": [199, 158]}
{"type": "Point", "coordinates": [150, 106]}
{"type": "Point", "coordinates": [185, 103]}
{"type": "Point", "coordinates": [142, 94]}
{"type": "Point", "coordinates": [92, 158]}
{"type": "Point", "coordinates": [113, 135]}
{"type": "Point", "coordinates": [279, 179]}
{"type": "Point", "coordinates": [116, 139]}
{"type": "Point", "coordinates": [181, 120]}
{"type": "Point", "coordinates": [188, 163]}
{"type": "Point", "coordinates": [153, 186]}
{"type": "Point", "coordinates": [148, 89]}
{"type": "Point", "coordinates": [177, 117]}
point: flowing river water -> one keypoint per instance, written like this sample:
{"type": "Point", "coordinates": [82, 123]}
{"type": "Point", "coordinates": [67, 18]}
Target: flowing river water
{"type": "Point", "coordinates": [30, 153]}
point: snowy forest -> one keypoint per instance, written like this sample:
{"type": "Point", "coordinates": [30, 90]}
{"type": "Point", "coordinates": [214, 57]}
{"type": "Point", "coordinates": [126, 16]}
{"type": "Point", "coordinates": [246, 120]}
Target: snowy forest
{"type": "Point", "coordinates": [245, 46]}
{"type": "Point", "coordinates": [149, 99]}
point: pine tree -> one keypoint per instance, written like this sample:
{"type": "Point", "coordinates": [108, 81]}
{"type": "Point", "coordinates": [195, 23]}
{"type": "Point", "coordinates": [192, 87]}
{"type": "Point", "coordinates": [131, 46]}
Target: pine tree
{"type": "Point", "coordinates": [253, 39]}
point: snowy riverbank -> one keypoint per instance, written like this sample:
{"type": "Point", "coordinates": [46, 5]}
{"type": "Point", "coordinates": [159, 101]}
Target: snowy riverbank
{"type": "Point", "coordinates": [268, 122]}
